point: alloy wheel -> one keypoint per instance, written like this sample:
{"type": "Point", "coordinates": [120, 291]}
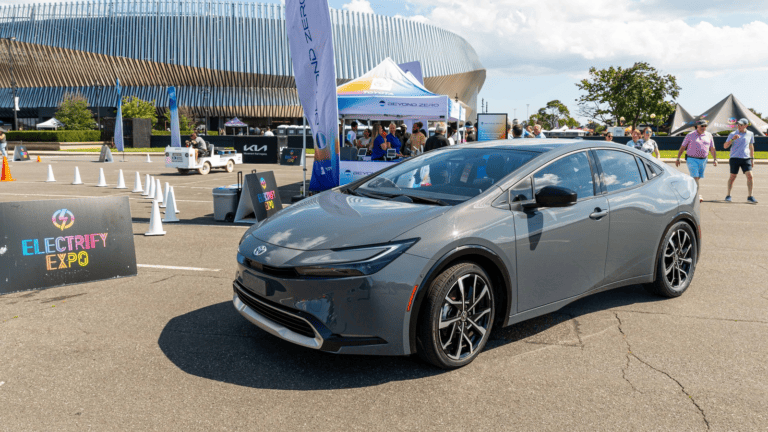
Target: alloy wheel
{"type": "Point", "coordinates": [678, 259]}
{"type": "Point", "coordinates": [465, 316]}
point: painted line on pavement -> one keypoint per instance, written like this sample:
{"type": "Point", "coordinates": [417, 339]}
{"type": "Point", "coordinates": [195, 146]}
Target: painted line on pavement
{"type": "Point", "coordinates": [176, 268]}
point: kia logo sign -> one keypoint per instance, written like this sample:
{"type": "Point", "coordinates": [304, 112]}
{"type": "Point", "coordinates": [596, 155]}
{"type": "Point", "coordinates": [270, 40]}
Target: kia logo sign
{"type": "Point", "coordinates": [255, 148]}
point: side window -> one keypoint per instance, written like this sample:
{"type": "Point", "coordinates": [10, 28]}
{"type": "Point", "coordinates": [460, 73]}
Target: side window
{"type": "Point", "coordinates": [521, 191]}
{"type": "Point", "coordinates": [571, 172]}
{"type": "Point", "coordinates": [653, 169]}
{"type": "Point", "coordinates": [619, 169]}
{"type": "Point", "coordinates": [641, 165]}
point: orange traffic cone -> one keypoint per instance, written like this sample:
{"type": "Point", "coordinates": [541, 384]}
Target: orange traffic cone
{"type": "Point", "coordinates": [6, 171]}
{"type": "Point", "coordinates": [38, 158]}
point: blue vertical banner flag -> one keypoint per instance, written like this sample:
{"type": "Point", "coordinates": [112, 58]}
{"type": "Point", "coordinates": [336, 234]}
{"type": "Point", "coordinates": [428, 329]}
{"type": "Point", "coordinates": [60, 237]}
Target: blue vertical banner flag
{"type": "Point", "coordinates": [174, 108]}
{"type": "Point", "coordinates": [119, 145]}
{"type": "Point", "coordinates": [308, 24]}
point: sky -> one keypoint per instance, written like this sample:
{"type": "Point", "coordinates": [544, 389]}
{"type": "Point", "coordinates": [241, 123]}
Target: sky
{"type": "Point", "coordinates": [535, 51]}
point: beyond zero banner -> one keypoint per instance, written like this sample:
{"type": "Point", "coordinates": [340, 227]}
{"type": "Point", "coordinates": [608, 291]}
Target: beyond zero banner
{"type": "Point", "coordinates": [51, 243]}
{"type": "Point", "coordinates": [308, 24]}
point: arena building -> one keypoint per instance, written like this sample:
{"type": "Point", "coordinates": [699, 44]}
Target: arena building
{"type": "Point", "coordinates": [225, 58]}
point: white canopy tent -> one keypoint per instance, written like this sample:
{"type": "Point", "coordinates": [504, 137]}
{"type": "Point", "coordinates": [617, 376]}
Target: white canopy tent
{"type": "Point", "coordinates": [387, 93]}
{"type": "Point", "coordinates": [50, 124]}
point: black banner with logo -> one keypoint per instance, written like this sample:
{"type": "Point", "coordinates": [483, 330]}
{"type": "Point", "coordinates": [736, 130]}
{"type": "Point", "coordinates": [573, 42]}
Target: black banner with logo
{"type": "Point", "coordinates": [257, 150]}
{"type": "Point", "coordinates": [290, 156]}
{"type": "Point", "coordinates": [45, 244]}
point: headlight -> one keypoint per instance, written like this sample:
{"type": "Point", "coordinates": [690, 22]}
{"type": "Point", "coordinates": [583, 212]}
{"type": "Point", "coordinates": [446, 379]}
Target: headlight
{"type": "Point", "coordinates": [376, 258]}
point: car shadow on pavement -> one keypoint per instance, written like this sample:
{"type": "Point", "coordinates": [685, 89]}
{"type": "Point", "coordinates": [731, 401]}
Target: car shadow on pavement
{"type": "Point", "coordinates": [216, 343]}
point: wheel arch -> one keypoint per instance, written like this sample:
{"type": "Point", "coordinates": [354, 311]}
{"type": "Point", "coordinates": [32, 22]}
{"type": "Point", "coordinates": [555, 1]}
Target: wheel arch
{"type": "Point", "coordinates": [477, 254]}
{"type": "Point", "coordinates": [690, 220]}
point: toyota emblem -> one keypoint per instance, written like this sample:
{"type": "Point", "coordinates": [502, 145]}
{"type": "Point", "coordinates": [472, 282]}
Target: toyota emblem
{"type": "Point", "coordinates": [259, 250]}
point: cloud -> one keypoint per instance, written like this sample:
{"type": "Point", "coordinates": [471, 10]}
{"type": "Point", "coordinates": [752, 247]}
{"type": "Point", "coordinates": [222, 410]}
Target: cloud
{"type": "Point", "coordinates": [362, 6]}
{"type": "Point", "coordinates": [520, 36]}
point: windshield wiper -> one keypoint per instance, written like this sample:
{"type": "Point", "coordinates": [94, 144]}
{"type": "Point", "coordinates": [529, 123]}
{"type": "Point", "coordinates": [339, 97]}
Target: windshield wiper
{"type": "Point", "coordinates": [415, 198]}
{"type": "Point", "coordinates": [363, 194]}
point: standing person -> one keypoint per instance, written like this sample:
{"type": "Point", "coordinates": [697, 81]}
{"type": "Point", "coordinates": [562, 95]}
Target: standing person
{"type": "Point", "coordinates": [451, 135]}
{"type": "Point", "coordinates": [528, 131]}
{"type": "Point", "coordinates": [648, 145]}
{"type": "Point", "coordinates": [471, 137]}
{"type": "Point", "coordinates": [3, 144]}
{"type": "Point", "coordinates": [393, 141]}
{"type": "Point", "coordinates": [423, 131]}
{"type": "Point", "coordinates": [417, 141]}
{"type": "Point", "coordinates": [742, 143]}
{"type": "Point", "coordinates": [366, 142]}
{"type": "Point", "coordinates": [635, 142]}
{"type": "Point", "coordinates": [697, 145]}
{"type": "Point", "coordinates": [517, 132]}
{"type": "Point", "coordinates": [268, 132]}
{"type": "Point", "coordinates": [380, 145]}
{"type": "Point", "coordinates": [352, 136]}
{"type": "Point", "coordinates": [438, 140]}
{"type": "Point", "coordinates": [537, 133]}
{"type": "Point", "coordinates": [402, 134]}
{"type": "Point", "coordinates": [609, 137]}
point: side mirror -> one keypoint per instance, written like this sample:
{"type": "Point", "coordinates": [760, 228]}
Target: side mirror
{"type": "Point", "coordinates": [554, 196]}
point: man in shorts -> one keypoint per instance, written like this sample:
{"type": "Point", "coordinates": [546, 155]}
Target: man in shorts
{"type": "Point", "coordinates": [697, 145]}
{"type": "Point", "coordinates": [742, 144]}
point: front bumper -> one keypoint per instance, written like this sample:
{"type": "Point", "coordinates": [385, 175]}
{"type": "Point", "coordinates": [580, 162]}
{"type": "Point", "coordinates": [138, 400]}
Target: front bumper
{"type": "Point", "coordinates": [356, 315]}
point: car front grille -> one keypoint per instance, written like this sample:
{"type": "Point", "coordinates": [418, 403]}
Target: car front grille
{"type": "Point", "coordinates": [275, 312]}
{"type": "Point", "coordinates": [278, 272]}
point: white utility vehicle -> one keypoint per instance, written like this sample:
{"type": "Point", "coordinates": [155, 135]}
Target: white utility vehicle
{"type": "Point", "coordinates": [183, 159]}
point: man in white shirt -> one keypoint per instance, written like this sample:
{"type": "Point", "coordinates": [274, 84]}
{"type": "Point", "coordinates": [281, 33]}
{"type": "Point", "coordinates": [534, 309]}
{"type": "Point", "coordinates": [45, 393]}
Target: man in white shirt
{"type": "Point", "coordinates": [742, 144]}
{"type": "Point", "coordinates": [268, 132]}
{"type": "Point", "coordinates": [352, 136]}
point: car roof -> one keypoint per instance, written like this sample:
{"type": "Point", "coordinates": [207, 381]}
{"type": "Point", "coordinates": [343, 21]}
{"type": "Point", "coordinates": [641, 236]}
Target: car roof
{"type": "Point", "coordinates": [538, 146]}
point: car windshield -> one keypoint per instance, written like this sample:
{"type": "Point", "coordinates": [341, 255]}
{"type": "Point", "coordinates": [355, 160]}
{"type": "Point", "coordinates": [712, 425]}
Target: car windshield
{"type": "Point", "coordinates": [447, 176]}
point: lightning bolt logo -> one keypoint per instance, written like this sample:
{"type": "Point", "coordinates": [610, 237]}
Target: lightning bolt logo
{"type": "Point", "coordinates": [63, 219]}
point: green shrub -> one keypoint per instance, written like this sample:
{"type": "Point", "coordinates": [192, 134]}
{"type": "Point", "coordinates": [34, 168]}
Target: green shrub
{"type": "Point", "coordinates": [661, 134]}
{"type": "Point", "coordinates": [724, 133]}
{"type": "Point", "coordinates": [64, 136]}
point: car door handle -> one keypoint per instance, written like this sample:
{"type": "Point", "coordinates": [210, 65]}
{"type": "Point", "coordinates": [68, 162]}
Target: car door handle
{"type": "Point", "coordinates": [598, 214]}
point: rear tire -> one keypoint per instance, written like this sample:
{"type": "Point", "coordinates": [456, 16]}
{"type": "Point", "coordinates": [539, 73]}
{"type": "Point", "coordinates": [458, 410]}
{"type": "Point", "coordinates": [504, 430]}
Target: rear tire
{"type": "Point", "coordinates": [456, 319]}
{"type": "Point", "coordinates": [676, 262]}
{"type": "Point", "coordinates": [205, 169]}
{"type": "Point", "coordinates": [230, 166]}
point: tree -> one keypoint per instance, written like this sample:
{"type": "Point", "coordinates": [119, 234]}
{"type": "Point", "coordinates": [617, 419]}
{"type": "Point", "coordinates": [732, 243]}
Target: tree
{"type": "Point", "coordinates": [74, 113]}
{"type": "Point", "coordinates": [134, 107]}
{"type": "Point", "coordinates": [759, 115]}
{"type": "Point", "coordinates": [554, 115]}
{"type": "Point", "coordinates": [185, 124]}
{"type": "Point", "coordinates": [633, 93]}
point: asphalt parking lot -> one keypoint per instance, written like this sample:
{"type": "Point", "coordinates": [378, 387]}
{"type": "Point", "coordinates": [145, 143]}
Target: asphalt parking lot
{"type": "Point", "coordinates": [167, 351]}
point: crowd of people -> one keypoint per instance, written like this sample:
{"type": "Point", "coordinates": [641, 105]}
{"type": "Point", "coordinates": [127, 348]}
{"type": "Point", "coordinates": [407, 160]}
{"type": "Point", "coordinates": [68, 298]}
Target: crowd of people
{"type": "Point", "coordinates": [380, 138]}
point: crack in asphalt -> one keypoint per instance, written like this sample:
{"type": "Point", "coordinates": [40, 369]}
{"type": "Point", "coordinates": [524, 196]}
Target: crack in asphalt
{"type": "Point", "coordinates": [632, 354]}
{"type": "Point", "coordinates": [695, 317]}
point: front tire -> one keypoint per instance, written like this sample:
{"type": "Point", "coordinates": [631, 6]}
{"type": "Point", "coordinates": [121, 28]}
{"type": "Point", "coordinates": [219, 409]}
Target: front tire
{"type": "Point", "coordinates": [205, 169]}
{"type": "Point", "coordinates": [676, 263]}
{"type": "Point", "coordinates": [230, 166]}
{"type": "Point", "coordinates": [457, 317]}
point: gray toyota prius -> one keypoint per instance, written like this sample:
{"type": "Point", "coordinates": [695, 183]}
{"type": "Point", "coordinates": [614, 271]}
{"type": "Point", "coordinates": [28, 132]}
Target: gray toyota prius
{"type": "Point", "coordinates": [431, 254]}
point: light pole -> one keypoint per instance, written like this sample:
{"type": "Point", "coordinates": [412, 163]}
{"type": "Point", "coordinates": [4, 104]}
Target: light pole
{"type": "Point", "coordinates": [13, 84]}
{"type": "Point", "coordinates": [527, 115]}
{"type": "Point", "coordinates": [206, 98]}
{"type": "Point", "coordinates": [98, 111]}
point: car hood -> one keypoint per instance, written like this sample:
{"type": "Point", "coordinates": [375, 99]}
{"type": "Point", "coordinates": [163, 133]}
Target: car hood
{"type": "Point", "coordinates": [335, 220]}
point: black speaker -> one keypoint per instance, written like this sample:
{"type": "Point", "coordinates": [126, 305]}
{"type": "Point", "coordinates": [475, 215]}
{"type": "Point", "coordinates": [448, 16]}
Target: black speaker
{"type": "Point", "coordinates": [137, 133]}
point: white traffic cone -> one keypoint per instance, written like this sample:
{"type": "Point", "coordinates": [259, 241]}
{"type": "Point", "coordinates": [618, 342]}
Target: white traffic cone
{"type": "Point", "coordinates": [148, 159]}
{"type": "Point", "coordinates": [137, 184]}
{"type": "Point", "coordinates": [77, 177]}
{"type": "Point", "coordinates": [151, 194]}
{"type": "Point", "coordinates": [158, 192]}
{"type": "Point", "coordinates": [170, 211]}
{"type": "Point", "coordinates": [155, 224]}
{"type": "Point", "coordinates": [50, 175]}
{"type": "Point", "coordinates": [102, 182]}
{"type": "Point", "coordinates": [120, 181]}
{"type": "Point", "coordinates": [172, 197]}
{"type": "Point", "coordinates": [164, 202]}
{"type": "Point", "coordinates": [147, 181]}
